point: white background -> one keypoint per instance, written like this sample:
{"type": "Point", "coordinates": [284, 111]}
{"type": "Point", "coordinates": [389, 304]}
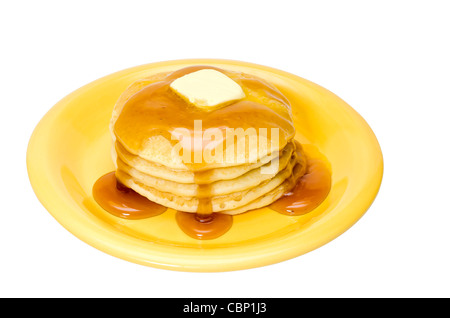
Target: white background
{"type": "Point", "coordinates": [388, 59]}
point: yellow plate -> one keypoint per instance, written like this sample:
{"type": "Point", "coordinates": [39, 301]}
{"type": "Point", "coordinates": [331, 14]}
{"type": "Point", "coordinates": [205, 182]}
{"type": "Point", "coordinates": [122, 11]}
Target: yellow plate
{"type": "Point", "coordinates": [70, 148]}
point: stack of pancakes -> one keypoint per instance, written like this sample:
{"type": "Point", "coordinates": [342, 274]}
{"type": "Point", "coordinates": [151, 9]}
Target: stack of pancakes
{"type": "Point", "coordinates": [143, 124]}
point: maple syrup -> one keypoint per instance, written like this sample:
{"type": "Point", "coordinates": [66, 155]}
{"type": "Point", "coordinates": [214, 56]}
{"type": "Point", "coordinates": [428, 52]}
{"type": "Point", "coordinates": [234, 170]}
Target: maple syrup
{"type": "Point", "coordinates": [308, 193]}
{"type": "Point", "coordinates": [121, 201]}
{"type": "Point", "coordinates": [204, 227]}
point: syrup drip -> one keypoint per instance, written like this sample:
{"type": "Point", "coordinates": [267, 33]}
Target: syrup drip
{"type": "Point", "coordinates": [309, 192]}
{"type": "Point", "coordinates": [204, 227]}
{"type": "Point", "coordinates": [204, 224]}
{"type": "Point", "coordinates": [123, 202]}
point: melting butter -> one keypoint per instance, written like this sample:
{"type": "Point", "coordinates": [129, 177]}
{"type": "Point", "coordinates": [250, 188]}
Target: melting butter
{"type": "Point", "coordinates": [207, 88]}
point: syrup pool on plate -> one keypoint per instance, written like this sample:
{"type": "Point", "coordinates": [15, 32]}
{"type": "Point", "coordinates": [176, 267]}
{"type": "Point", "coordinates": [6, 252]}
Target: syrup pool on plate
{"type": "Point", "coordinates": [306, 195]}
{"type": "Point", "coordinates": [309, 192]}
{"type": "Point", "coordinates": [121, 201]}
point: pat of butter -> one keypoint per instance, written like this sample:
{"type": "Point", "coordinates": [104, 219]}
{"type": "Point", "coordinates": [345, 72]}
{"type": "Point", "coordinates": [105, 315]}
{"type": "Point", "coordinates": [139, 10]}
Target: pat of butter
{"type": "Point", "coordinates": [207, 88]}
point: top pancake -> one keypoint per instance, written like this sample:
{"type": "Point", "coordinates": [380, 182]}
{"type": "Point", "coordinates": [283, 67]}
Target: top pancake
{"type": "Point", "coordinates": [151, 122]}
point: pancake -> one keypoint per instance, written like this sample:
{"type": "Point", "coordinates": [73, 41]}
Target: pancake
{"type": "Point", "coordinates": [246, 181]}
{"type": "Point", "coordinates": [235, 201]}
{"type": "Point", "coordinates": [149, 131]}
{"type": "Point", "coordinates": [187, 176]}
{"type": "Point", "coordinates": [162, 153]}
{"type": "Point", "coordinates": [229, 204]}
